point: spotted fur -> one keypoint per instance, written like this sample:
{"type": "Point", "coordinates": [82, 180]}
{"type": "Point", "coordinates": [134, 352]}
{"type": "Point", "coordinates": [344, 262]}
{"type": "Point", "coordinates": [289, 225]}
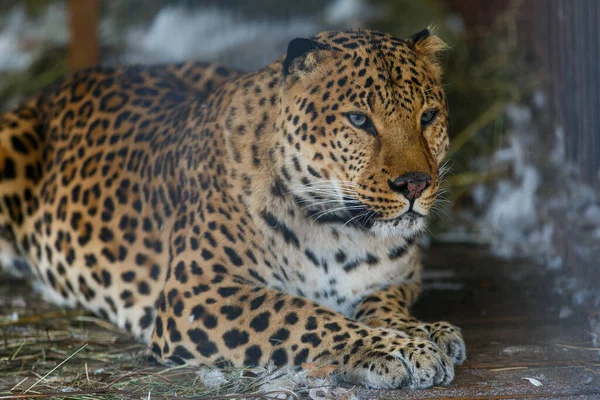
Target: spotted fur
{"type": "Point", "coordinates": [239, 219]}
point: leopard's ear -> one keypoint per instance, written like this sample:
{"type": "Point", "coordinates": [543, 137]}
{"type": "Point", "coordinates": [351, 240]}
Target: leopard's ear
{"type": "Point", "coordinates": [425, 42]}
{"type": "Point", "coordinates": [301, 56]}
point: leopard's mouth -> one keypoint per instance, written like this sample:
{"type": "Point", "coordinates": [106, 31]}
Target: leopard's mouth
{"type": "Point", "coordinates": [406, 216]}
{"type": "Point", "coordinates": [359, 215]}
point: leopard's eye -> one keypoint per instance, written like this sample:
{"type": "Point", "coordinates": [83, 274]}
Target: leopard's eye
{"type": "Point", "coordinates": [363, 122]}
{"type": "Point", "coordinates": [428, 117]}
{"type": "Point", "coordinates": [358, 120]}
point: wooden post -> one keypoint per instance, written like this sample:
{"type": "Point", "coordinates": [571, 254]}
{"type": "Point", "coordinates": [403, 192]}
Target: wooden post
{"type": "Point", "coordinates": [84, 49]}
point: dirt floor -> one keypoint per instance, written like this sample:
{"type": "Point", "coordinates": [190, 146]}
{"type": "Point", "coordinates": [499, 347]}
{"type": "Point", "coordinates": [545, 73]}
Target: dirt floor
{"type": "Point", "coordinates": [514, 325]}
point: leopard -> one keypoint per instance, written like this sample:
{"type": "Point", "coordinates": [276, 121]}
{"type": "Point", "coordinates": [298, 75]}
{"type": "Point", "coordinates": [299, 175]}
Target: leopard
{"type": "Point", "coordinates": [235, 219]}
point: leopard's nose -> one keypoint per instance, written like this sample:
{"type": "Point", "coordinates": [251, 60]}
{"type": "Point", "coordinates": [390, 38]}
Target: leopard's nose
{"type": "Point", "coordinates": [411, 185]}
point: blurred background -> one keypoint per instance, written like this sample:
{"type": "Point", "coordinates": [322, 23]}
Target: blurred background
{"type": "Point", "coordinates": [522, 80]}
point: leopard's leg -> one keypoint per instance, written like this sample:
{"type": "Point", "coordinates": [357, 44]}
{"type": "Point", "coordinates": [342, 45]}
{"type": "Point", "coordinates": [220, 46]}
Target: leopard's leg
{"type": "Point", "coordinates": [222, 321]}
{"type": "Point", "coordinates": [389, 308]}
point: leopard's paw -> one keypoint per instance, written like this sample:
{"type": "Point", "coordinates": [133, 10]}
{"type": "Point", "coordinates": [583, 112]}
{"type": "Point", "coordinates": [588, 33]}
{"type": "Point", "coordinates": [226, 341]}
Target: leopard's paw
{"type": "Point", "coordinates": [397, 362]}
{"type": "Point", "coordinates": [447, 336]}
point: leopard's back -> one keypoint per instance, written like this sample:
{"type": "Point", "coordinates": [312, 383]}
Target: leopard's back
{"type": "Point", "coordinates": [80, 208]}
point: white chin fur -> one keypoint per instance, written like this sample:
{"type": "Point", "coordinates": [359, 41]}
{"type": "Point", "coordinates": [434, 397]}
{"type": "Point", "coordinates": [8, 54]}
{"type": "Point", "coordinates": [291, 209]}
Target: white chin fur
{"type": "Point", "coordinates": [405, 227]}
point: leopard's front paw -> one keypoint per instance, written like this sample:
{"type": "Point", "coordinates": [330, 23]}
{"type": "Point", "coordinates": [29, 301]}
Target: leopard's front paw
{"type": "Point", "coordinates": [447, 336]}
{"type": "Point", "coordinates": [397, 362]}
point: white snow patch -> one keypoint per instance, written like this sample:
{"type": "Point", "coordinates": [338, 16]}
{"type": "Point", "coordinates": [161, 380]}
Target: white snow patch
{"type": "Point", "coordinates": [512, 215]}
{"type": "Point", "coordinates": [479, 194]}
{"type": "Point", "coordinates": [517, 222]}
{"type": "Point", "coordinates": [555, 262]}
{"type": "Point", "coordinates": [178, 33]}
{"type": "Point", "coordinates": [581, 296]}
{"type": "Point", "coordinates": [211, 378]}
{"type": "Point", "coordinates": [565, 312]}
{"type": "Point", "coordinates": [558, 153]}
{"type": "Point", "coordinates": [23, 37]}
{"type": "Point", "coordinates": [592, 214]}
{"type": "Point", "coordinates": [351, 13]}
{"type": "Point", "coordinates": [518, 114]}
{"type": "Point", "coordinates": [596, 334]}
{"type": "Point", "coordinates": [514, 205]}
{"type": "Point", "coordinates": [341, 11]}
{"type": "Point", "coordinates": [539, 99]}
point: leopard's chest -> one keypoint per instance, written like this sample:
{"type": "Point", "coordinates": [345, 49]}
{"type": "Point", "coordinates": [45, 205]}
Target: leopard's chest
{"type": "Point", "coordinates": [339, 270]}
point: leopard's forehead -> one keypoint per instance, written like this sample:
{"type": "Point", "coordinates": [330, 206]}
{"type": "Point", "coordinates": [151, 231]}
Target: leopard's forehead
{"type": "Point", "coordinates": [385, 58]}
{"type": "Point", "coordinates": [369, 43]}
{"type": "Point", "coordinates": [359, 38]}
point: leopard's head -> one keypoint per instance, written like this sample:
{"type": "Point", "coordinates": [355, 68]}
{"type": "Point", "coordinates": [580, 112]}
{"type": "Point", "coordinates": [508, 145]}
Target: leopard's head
{"type": "Point", "coordinates": [365, 124]}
